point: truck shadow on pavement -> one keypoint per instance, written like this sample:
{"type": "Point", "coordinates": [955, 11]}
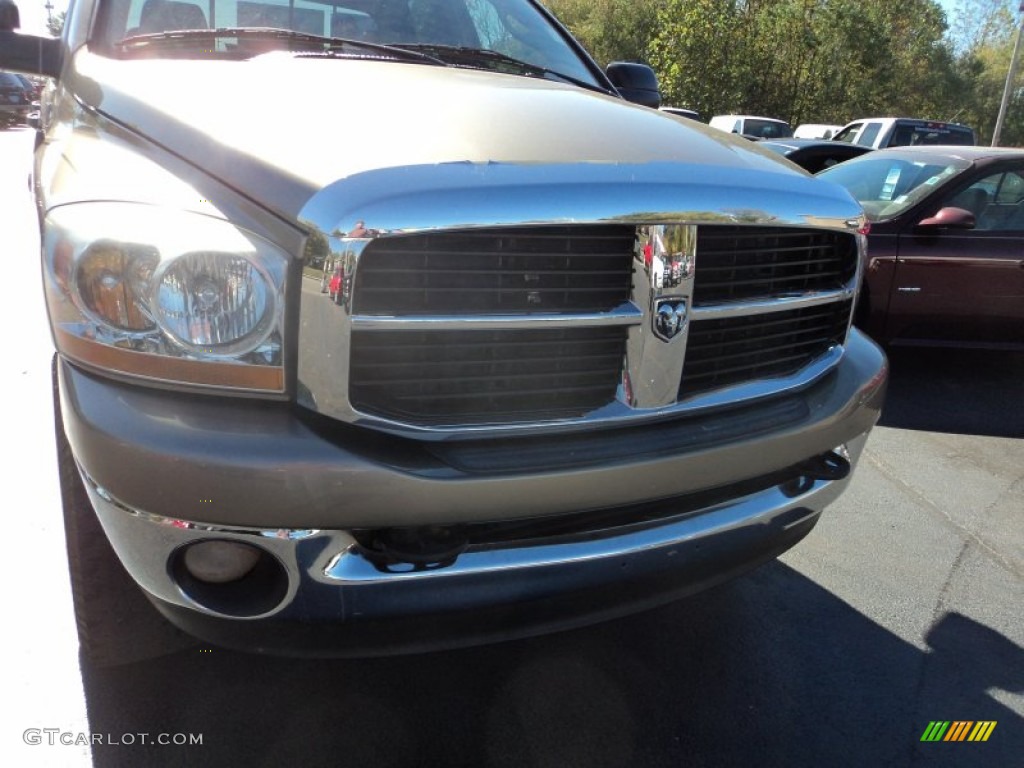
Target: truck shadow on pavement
{"type": "Point", "coordinates": [770, 670]}
{"type": "Point", "coordinates": [968, 392]}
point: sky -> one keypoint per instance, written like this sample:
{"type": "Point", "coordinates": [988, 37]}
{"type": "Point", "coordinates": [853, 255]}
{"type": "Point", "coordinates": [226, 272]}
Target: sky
{"type": "Point", "coordinates": [33, 14]}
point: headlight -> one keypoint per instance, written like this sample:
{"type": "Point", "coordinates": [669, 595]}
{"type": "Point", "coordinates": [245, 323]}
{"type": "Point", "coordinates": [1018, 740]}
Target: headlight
{"type": "Point", "coordinates": [166, 295]}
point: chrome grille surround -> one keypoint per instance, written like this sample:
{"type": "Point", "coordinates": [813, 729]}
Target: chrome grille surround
{"type": "Point", "coordinates": [669, 216]}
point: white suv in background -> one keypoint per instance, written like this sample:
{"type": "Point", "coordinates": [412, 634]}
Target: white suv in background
{"type": "Point", "coordinates": [816, 131]}
{"type": "Point", "coordinates": [752, 127]}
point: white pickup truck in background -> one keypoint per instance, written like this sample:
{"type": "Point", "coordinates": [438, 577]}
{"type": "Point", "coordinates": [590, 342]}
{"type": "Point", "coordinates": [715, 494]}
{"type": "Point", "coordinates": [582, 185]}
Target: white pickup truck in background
{"type": "Point", "coordinates": [880, 132]}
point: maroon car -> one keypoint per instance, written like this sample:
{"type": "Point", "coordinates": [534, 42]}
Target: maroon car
{"type": "Point", "coordinates": [946, 247]}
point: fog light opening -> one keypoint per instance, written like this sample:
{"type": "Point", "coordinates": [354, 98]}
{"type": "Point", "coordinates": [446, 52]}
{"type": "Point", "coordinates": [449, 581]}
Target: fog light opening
{"type": "Point", "coordinates": [218, 562]}
{"type": "Point", "coordinates": [229, 577]}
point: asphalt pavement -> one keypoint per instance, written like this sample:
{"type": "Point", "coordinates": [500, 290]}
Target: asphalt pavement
{"type": "Point", "coordinates": [902, 607]}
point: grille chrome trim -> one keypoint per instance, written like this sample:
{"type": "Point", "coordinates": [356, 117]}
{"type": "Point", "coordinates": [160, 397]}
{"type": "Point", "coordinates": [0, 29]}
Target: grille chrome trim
{"type": "Point", "coordinates": [780, 304]}
{"type": "Point", "coordinates": [627, 314]}
{"type": "Point", "coordinates": [679, 199]}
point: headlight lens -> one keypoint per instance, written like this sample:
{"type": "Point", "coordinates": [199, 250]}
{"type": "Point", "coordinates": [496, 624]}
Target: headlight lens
{"type": "Point", "coordinates": [110, 281]}
{"type": "Point", "coordinates": [167, 295]}
{"type": "Point", "coordinates": [214, 301]}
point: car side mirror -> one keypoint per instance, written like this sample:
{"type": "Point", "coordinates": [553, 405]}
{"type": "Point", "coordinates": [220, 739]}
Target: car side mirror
{"type": "Point", "coordinates": [950, 218]}
{"type": "Point", "coordinates": [30, 54]}
{"type": "Point", "coordinates": [635, 82]}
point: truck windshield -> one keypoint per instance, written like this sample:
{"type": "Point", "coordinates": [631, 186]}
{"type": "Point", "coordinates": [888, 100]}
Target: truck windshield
{"type": "Point", "coordinates": [513, 29]}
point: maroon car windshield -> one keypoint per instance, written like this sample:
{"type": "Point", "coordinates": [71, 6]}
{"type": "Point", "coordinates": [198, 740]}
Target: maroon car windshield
{"type": "Point", "coordinates": [887, 184]}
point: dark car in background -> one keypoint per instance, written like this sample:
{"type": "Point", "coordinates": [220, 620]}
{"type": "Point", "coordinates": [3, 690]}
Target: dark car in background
{"type": "Point", "coordinates": [691, 114]}
{"type": "Point", "coordinates": [16, 97]}
{"type": "Point", "coordinates": [814, 155]}
{"type": "Point", "coordinates": [33, 86]}
{"type": "Point", "coordinates": [946, 244]}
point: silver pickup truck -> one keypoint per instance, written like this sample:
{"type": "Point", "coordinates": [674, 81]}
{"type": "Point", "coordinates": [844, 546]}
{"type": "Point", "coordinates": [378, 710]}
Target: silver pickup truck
{"type": "Point", "coordinates": [580, 357]}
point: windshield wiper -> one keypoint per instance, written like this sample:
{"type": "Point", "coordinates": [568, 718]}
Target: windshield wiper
{"type": "Point", "coordinates": [311, 43]}
{"type": "Point", "coordinates": [483, 58]}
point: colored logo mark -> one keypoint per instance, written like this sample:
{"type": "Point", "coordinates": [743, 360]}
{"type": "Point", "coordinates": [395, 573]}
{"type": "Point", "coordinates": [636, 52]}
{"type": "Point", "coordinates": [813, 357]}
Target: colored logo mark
{"type": "Point", "coordinates": [958, 730]}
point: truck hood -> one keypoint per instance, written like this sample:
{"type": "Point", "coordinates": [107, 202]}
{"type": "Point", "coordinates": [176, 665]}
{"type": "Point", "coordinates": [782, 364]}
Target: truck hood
{"type": "Point", "coordinates": [282, 127]}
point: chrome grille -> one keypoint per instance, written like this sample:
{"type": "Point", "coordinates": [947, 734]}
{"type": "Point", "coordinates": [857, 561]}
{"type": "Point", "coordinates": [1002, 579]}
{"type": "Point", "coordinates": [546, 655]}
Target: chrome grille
{"type": "Point", "coordinates": [743, 263]}
{"type": "Point", "coordinates": [479, 376]}
{"type": "Point", "coordinates": [513, 270]}
{"type": "Point", "coordinates": [532, 326]}
{"type": "Point", "coordinates": [733, 350]}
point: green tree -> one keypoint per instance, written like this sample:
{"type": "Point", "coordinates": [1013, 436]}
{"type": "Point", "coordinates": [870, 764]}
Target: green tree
{"type": "Point", "coordinates": [611, 30]}
{"type": "Point", "coordinates": [982, 38]}
{"type": "Point", "coordinates": [695, 53]}
{"type": "Point", "coordinates": [814, 60]}
{"type": "Point", "coordinates": [317, 247]}
{"type": "Point", "coordinates": [55, 24]}
{"type": "Point", "coordinates": [978, 23]}
{"type": "Point", "coordinates": [810, 60]}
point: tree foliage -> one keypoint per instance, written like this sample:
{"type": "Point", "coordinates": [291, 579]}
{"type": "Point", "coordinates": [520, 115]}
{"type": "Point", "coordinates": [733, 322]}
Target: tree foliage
{"type": "Point", "coordinates": [802, 60]}
{"type": "Point", "coordinates": [55, 24]}
{"type": "Point", "coordinates": [821, 61]}
{"type": "Point", "coordinates": [611, 30]}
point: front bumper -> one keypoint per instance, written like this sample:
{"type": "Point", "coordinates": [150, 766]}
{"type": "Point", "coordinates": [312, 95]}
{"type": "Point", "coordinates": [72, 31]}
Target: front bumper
{"type": "Point", "coordinates": [165, 471]}
{"type": "Point", "coordinates": [330, 597]}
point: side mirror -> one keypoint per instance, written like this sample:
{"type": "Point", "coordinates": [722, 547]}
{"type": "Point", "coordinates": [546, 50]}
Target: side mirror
{"type": "Point", "coordinates": [30, 54]}
{"type": "Point", "coordinates": [635, 82]}
{"type": "Point", "coordinates": [951, 218]}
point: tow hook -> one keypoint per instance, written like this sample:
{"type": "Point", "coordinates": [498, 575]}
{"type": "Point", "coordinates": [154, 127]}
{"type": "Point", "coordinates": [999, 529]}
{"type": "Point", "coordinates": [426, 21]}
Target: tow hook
{"type": "Point", "coordinates": [400, 550]}
{"type": "Point", "coordinates": [832, 465]}
{"type": "Point", "coordinates": [827, 466]}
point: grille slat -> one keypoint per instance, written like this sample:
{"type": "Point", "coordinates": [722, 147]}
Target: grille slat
{"type": "Point", "coordinates": [713, 355]}
{"type": "Point", "coordinates": [498, 271]}
{"type": "Point", "coordinates": [771, 284]}
{"type": "Point", "coordinates": [745, 263]}
{"type": "Point", "coordinates": [734, 350]}
{"type": "Point", "coordinates": [482, 376]}
{"type": "Point", "coordinates": [479, 372]}
{"type": "Point", "coordinates": [499, 290]}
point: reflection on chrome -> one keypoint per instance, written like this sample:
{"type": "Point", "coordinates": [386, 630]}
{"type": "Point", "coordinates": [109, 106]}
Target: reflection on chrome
{"type": "Point", "coordinates": [668, 254]}
{"type": "Point", "coordinates": [663, 289]}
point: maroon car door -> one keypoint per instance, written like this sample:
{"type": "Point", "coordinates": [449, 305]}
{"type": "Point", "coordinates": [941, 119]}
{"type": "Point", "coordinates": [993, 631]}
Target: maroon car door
{"type": "Point", "coordinates": [965, 286]}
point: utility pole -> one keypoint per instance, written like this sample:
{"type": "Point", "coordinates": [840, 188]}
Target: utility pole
{"type": "Point", "coordinates": [1010, 76]}
{"type": "Point", "coordinates": [49, 12]}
